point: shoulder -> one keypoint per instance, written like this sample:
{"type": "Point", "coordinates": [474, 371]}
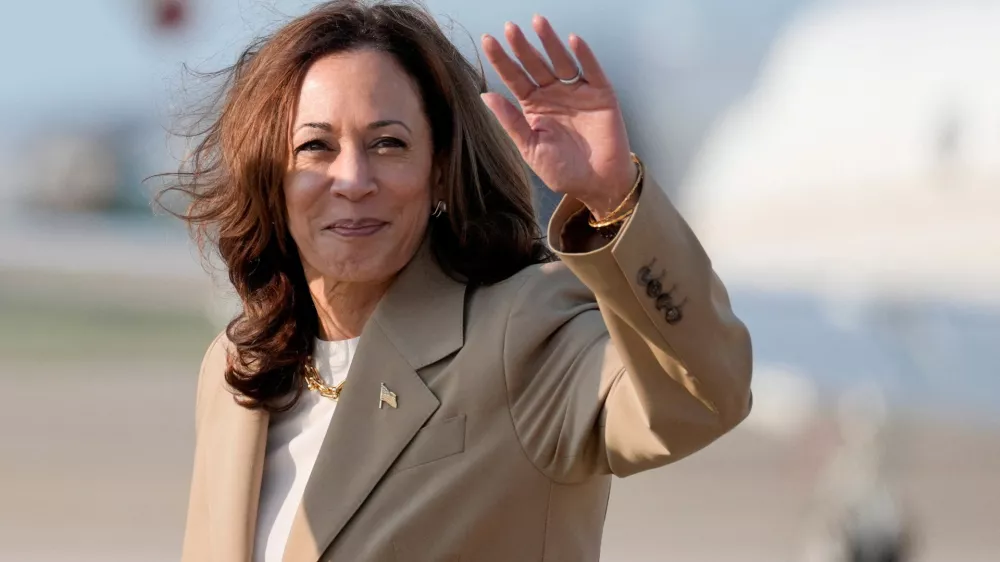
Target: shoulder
{"type": "Point", "coordinates": [549, 319]}
{"type": "Point", "coordinates": [212, 374]}
{"type": "Point", "coordinates": [216, 356]}
{"type": "Point", "coordinates": [538, 281]}
{"type": "Point", "coordinates": [550, 287]}
{"type": "Point", "coordinates": [537, 297]}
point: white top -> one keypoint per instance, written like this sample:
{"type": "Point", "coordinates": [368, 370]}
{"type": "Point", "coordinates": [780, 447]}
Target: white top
{"type": "Point", "coordinates": [293, 442]}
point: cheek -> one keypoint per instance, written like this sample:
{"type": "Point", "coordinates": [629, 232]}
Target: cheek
{"type": "Point", "coordinates": [409, 184]}
{"type": "Point", "coordinates": [412, 201]}
{"type": "Point", "coordinates": [301, 193]}
{"type": "Point", "coordinates": [302, 190]}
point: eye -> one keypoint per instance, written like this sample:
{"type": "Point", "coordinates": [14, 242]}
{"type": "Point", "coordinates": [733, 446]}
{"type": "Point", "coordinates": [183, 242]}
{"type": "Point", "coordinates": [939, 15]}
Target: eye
{"type": "Point", "coordinates": [383, 144]}
{"type": "Point", "coordinates": [311, 146]}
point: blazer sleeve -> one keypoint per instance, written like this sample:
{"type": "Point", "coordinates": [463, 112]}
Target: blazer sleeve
{"type": "Point", "coordinates": [628, 356]}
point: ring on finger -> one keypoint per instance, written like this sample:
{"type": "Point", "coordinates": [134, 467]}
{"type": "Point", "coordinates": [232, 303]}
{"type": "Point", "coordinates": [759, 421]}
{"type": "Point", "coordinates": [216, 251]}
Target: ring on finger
{"type": "Point", "coordinates": [576, 78]}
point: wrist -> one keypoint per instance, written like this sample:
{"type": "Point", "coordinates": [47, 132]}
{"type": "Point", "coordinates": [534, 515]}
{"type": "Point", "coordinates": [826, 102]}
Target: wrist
{"type": "Point", "coordinates": [620, 199]}
{"type": "Point", "coordinates": [612, 208]}
{"type": "Point", "coordinates": [601, 218]}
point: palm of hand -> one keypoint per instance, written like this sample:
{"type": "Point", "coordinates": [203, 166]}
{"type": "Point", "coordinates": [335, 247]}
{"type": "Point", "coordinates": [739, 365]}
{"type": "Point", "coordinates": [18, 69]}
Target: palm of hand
{"type": "Point", "coordinates": [571, 135]}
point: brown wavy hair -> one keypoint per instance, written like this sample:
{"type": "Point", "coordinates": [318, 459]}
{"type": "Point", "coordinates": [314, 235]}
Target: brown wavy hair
{"type": "Point", "coordinates": [233, 181]}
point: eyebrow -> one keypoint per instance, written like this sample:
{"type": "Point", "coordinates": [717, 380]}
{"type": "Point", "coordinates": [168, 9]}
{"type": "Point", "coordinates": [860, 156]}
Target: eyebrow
{"type": "Point", "coordinates": [386, 123]}
{"type": "Point", "coordinates": [322, 126]}
{"type": "Point", "coordinates": [371, 126]}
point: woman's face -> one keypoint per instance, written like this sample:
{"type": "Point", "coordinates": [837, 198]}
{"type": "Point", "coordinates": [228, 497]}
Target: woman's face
{"type": "Point", "coordinates": [358, 186]}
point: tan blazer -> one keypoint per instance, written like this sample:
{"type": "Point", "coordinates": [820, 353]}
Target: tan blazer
{"type": "Point", "coordinates": [515, 403]}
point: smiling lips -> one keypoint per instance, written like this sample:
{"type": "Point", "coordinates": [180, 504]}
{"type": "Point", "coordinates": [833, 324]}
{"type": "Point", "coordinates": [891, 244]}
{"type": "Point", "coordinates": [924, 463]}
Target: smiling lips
{"type": "Point", "coordinates": [356, 228]}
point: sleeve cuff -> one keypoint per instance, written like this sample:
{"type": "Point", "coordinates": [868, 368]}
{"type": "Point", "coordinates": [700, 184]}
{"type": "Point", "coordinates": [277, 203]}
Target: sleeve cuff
{"type": "Point", "coordinates": [654, 244]}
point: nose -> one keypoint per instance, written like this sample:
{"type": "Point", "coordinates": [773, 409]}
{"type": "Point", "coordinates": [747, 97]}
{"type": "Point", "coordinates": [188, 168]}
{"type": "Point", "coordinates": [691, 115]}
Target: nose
{"type": "Point", "coordinates": [352, 175]}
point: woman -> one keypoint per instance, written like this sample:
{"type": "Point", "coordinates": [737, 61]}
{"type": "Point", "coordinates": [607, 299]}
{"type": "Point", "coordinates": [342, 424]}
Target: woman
{"type": "Point", "coordinates": [411, 377]}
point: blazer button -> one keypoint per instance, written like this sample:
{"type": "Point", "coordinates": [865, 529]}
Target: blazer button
{"type": "Point", "coordinates": [645, 274]}
{"type": "Point", "coordinates": [664, 301]}
{"type": "Point", "coordinates": [654, 288]}
{"type": "Point", "coordinates": [673, 315]}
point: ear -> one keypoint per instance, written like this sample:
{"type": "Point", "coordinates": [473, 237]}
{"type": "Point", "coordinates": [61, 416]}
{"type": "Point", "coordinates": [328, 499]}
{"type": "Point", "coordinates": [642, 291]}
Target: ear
{"type": "Point", "coordinates": [437, 174]}
{"type": "Point", "coordinates": [437, 190]}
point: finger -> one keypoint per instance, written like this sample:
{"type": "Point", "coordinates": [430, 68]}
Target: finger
{"type": "Point", "coordinates": [510, 118]}
{"type": "Point", "coordinates": [562, 61]}
{"type": "Point", "coordinates": [510, 72]}
{"type": "Point", "coordinates": [529, 56]}
{"type": "Point", "coordinates": [588, 62]}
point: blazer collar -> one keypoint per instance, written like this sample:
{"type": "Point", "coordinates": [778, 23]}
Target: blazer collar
{"type": "Point", "coordinates": [423, 313]}
{"type": "Point", "coordinates": [418, 322]}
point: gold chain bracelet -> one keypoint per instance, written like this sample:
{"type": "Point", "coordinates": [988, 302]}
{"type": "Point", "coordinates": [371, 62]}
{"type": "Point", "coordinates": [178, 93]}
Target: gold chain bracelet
{"type": "Point", "coordinates": [616, 216]}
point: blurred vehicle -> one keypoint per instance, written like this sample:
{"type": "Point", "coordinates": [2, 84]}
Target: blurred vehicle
{"type": "Point", "coordinates": [861, 179]}
{"type": "Point", "coordinates": [863, 174]}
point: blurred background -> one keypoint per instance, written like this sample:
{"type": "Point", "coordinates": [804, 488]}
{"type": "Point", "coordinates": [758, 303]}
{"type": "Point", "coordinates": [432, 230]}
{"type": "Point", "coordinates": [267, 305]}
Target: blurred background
{"type": "Point", "coordinates": [839, 159]}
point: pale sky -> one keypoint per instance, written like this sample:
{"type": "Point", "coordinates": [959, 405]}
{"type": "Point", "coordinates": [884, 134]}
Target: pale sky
{"type": "Point", "coordinates": [87, 59]}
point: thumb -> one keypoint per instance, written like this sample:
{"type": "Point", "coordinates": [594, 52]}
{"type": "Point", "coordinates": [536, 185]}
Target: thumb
{"type": "Point", "coordinates": [510, 118]}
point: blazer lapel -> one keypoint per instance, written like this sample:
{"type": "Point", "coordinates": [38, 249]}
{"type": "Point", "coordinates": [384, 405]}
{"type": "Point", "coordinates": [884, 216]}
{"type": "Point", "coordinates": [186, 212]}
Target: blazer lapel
{"type": "Point", "coordinates": [418, 322]}
{"type": "Point", "coordinates": [235, 462]}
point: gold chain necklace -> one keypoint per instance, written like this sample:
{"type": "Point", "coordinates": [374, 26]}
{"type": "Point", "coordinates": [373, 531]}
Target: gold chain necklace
{"type": "Point", "coordinates": [315, 383]}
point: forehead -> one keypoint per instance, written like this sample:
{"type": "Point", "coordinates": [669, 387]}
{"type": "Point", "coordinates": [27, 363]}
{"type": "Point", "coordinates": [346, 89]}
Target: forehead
{"type": "Point", "coordinates": [357, 86]}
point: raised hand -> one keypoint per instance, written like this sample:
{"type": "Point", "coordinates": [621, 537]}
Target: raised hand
{"type": "Point", "coordinates": [569, 128]}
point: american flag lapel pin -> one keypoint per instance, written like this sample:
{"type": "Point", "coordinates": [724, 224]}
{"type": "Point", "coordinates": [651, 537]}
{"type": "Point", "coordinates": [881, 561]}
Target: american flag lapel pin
{"type": "Point", "coordinates": [386, 396]}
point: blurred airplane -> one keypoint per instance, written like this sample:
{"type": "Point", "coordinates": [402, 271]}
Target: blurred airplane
{"type": "Point", "coordinates": [860, 181]}
{"type": "Point", "coordinates": [862, 176]}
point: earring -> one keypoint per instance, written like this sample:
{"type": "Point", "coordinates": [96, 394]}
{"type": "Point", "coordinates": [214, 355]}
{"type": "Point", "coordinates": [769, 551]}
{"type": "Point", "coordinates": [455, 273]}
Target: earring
{"type": "Point", "coordinates": [440, 209]}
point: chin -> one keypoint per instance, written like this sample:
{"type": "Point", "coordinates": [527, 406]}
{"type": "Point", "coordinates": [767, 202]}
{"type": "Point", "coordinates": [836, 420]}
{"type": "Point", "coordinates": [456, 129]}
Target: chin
{"type": "Point", "coordinates": [369, 265]}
